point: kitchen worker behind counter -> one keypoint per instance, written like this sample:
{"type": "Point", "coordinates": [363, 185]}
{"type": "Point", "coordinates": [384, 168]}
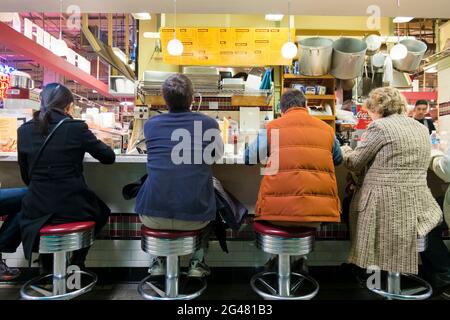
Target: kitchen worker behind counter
{"type": "Point", "coordinates": [392, 205]}
{"type": "Point", "coordinates": [57, 192]}
{"type": "Point", "coordinates": [420, 111]}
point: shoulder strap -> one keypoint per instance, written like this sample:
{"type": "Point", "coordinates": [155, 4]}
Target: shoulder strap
{"type": "Point", "coordinates": [50, 135]}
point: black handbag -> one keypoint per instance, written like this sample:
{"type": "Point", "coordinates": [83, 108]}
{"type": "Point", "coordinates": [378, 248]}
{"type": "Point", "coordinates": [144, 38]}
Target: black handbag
{"type": "Point", "coordinates": [131, 190]}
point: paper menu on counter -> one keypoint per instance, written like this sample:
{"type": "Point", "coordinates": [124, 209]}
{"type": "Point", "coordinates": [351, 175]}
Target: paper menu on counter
{"type": "Point", "coordinates": [8, 134]}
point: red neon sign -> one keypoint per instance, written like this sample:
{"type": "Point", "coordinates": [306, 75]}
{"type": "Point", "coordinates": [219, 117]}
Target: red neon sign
{"type": "Point", "coordinates": [4, 84]}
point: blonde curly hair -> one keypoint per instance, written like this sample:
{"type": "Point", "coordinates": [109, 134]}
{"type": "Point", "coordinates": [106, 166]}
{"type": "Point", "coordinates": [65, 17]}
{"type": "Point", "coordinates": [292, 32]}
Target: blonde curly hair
{"type": "Point", "coordinates": [386, 101]}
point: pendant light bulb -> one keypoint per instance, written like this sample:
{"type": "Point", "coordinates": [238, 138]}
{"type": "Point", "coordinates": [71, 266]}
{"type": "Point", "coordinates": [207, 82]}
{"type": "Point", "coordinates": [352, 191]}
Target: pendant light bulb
{"type": "Point", "coordinates": [59, 46]}
{"type": "Point", "coordinates": [289, 50]}
{"type": "Point", "coordinates": [398, 52]}
{"type": "Point", "coordinates": [175, 47]}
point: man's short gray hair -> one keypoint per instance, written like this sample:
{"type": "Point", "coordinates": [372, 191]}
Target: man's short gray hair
{"type": "Point", "coordinates": [292, 98]}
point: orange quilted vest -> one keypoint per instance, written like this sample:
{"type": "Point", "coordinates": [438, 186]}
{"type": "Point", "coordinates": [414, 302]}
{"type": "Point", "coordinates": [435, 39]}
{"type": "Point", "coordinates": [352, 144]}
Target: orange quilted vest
{"type": "Point", "coordinates": [304, 189]}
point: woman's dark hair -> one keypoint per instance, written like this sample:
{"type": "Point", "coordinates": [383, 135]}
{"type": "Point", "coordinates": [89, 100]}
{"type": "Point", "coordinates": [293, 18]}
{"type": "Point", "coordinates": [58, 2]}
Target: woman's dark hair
{"type": "Point", "coordinates": [421, 102]}
{"type": "Point", "coordinates": [54, 97]}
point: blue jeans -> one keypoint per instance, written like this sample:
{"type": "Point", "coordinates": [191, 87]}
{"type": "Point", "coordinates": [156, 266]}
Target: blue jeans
{"type": "Point", "coordinates": [10, 204]}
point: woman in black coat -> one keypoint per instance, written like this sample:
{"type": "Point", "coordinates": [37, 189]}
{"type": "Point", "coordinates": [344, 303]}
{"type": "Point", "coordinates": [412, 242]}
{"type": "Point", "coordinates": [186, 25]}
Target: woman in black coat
{"type": "Point", "coordinates": [57, 192]}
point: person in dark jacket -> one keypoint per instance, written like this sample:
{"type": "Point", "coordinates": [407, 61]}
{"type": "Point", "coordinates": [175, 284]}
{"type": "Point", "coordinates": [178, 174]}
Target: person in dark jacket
{"type": "Point", "coordinates": [57, 191]}
{"type": "Point", "coordinates": [179, 193]}
{"type": "Point", "coordinates": [420, 111]}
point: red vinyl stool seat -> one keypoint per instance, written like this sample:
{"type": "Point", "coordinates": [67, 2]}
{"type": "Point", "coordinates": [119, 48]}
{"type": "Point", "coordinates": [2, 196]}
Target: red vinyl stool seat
{"type": "Point", "coordinates": [67, 228]}
{"type": "Point", "coordinates": [265, 228]}
{"type": "Point", "coordinates": [59, 240]}
{"type": "Point", "coordinates": [168, 234]}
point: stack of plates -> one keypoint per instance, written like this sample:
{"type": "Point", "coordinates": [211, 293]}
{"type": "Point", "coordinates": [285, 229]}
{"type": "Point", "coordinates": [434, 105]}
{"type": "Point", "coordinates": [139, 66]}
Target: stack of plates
{"type": "Point", "coordinates": [153, 80]}
{"type": "Point", "coordinates": [203, 77]}
{"type": "Point", "coordinates": [233, 84]}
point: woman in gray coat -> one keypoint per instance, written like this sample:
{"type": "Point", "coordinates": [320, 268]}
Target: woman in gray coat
{"type": "Point", "coordinates": [393, 204]}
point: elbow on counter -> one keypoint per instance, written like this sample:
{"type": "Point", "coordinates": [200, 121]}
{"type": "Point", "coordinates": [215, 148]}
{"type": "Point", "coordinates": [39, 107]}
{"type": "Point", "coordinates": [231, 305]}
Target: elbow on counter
{"type": "Point", "coordinates": [109, 158]}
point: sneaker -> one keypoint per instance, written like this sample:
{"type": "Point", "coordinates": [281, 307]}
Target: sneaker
{"type": "Point", "coordinates": [158, 267]}
{"type": "Point", "coordinates": [446, 294]}
{"type": "Point", "coordinates": [7, 273]}
{"type": "Point", "coordinates": [198, 269]}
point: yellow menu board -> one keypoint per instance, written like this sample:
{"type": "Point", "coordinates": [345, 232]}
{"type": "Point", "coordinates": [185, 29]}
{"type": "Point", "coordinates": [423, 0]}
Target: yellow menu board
{"type": "Point", "coordinates": [227, 46]}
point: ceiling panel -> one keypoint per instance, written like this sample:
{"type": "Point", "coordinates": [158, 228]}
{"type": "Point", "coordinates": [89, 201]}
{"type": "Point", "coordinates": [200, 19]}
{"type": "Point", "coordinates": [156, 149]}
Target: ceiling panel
{"type": "Point", "coordinates": [388, 8]}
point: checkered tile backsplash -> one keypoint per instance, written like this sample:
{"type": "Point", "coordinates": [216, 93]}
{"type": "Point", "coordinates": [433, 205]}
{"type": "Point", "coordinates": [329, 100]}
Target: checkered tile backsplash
{"type": "Point", "coordinates": [128, 226]}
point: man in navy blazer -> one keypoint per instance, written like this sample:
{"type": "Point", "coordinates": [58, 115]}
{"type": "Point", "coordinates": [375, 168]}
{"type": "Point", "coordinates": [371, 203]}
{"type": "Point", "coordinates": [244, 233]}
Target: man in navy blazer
{"type": "Point", "coordinates": [179, 193]}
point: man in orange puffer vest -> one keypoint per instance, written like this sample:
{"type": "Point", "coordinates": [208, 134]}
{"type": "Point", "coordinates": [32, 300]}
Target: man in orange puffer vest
{"type": "Point", "coordinates": [303, 191]}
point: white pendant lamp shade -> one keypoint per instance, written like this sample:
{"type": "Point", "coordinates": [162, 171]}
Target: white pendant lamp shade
{"type": "Point", "coordinates": [59, 47]}
{"type": "Point", "coordinates": [175, 47]}
{"type": "Point", "coordinates": [398, 52]}
{"type": "Point", "coordinates": [289, 50]}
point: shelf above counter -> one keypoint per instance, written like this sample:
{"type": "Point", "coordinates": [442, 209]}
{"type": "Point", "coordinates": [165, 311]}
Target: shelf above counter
{"type": "Point", "coordinates": [299, 76]}
{"type": "Point", "coordinates": [325, 118]}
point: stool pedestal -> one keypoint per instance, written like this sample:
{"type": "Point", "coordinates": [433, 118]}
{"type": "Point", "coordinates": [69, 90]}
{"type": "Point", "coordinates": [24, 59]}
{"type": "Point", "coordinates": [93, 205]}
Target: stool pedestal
{"type": "Point", "coordinates": [393, 288]}
{"type": "Point", "coordinates": [174, 285]}
{"type": "Point", "coordinates": [284, 284]}
{"type": "Point", "coordinates": [59, 240]}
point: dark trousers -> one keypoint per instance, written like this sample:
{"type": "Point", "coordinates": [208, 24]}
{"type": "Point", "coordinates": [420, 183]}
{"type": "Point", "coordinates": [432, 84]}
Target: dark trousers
{"type": "Point", "coordinates": [10, 204]}
{"type": "Point", "coordinates": [436, 259]}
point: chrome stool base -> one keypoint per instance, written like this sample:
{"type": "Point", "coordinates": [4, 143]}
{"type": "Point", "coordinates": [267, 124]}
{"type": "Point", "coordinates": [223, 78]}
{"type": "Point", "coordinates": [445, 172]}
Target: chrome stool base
{"type": "Point", "coordinates": [172, 245]}
{"type": "Point", "coordinates": [60, 240]}
{"type": "Point", "coordinates": [33, 290]}
{"type": "Point", "coordinates": [268, 292]}
{"type": "Point", "coordinates": [394, 291]}
{"type": "Point", "coordinates": [154, 288]}
{"type": "Point", "coordinates": [284, 242]}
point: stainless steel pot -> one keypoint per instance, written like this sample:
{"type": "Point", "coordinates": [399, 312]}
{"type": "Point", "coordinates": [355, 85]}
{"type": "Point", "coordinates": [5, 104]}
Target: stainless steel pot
{"type": "Point", "coordinates": [348, 58]}
{"type": "Point", "coordinates": [416, 51]}
{"type": "Point", "coordinates": [21, 80]}
{"type": "Point", "coordinates": [316, 54]}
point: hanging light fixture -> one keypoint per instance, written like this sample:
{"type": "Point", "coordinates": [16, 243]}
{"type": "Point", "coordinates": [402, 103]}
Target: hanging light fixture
{"type": "Point", "coordinates": [289, 49]}
{"type": "Point", "coordinates": [398, 51]}
{"type": "Point", "coordinates": [59, 47]}
{"type": "Point", "coordinates": [175, 47]}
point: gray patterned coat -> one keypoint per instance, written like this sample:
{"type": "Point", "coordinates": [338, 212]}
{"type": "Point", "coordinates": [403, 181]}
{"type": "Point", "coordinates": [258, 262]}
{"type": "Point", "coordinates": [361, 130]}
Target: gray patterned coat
{"type": "Point", "coordinates": [393, 204]}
